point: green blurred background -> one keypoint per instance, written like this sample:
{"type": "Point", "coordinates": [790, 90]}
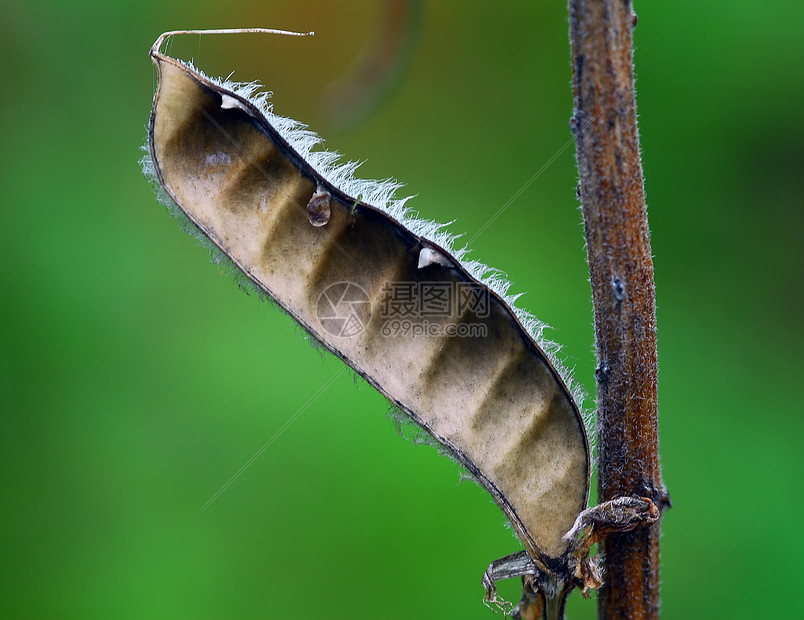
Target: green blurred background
{"type": "Point", "coordinates": [137, 379]}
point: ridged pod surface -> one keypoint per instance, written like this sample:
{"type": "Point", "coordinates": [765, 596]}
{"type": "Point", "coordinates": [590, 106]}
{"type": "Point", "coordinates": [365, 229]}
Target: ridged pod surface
{"type": "Point", "coordinates": [493, 399]}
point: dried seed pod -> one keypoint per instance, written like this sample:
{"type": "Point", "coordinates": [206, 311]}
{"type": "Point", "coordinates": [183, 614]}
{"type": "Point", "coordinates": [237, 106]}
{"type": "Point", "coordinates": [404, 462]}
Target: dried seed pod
{"type": "Point", "coordinates": [490, 395]}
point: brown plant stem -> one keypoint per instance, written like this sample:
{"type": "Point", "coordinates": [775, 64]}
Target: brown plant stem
{"type": "Point", "coordinates": [621, 269]}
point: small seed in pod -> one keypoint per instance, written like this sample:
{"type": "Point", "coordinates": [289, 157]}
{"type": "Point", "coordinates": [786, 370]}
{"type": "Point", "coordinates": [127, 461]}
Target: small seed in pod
{"type": "Point", "coordinates": [318, 210]}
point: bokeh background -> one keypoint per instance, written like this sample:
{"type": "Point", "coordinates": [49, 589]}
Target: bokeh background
{"type": "Point", "coordinates": [137, 379]}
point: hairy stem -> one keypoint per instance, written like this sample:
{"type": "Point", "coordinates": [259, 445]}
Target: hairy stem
{"type": "Point", "coordinates": [621, 268]}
